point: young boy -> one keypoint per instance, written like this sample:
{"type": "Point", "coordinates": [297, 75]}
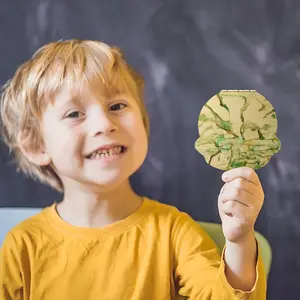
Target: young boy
{"type": "Point", "coordinates": [74, 117]}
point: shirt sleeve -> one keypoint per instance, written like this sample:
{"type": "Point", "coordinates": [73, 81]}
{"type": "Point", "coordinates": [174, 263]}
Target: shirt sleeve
{"type": "Point", "coordinates": [11, 284]}
{"type": "Point", "coordinates": [199, 269]}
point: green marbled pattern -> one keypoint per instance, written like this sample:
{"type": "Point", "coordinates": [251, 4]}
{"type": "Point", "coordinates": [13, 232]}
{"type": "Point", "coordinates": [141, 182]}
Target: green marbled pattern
{"type": "Point", "coordinates": [237, 128]}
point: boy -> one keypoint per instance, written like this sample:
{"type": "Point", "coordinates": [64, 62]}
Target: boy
{"type": "Point", "coordinates": [74, 117]}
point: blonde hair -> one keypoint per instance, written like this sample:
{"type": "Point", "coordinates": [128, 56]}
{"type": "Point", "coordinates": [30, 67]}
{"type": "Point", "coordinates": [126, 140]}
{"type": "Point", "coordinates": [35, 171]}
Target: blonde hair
{"type": "Point", "coordinates": [53, 66]}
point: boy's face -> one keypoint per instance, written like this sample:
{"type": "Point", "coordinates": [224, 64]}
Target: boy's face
{"type": "Point", "coordinates": [76, 126]}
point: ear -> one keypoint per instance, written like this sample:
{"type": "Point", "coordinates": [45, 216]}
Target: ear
{"type": "Point", "coordinates": [36, 153]}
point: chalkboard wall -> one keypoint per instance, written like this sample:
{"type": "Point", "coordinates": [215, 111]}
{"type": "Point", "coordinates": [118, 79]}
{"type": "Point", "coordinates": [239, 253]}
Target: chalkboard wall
{"type": "Point", "coordinates": [187, 51]}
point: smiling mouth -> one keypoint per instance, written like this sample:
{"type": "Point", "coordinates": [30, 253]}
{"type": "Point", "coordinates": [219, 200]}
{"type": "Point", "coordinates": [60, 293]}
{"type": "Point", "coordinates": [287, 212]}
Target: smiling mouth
{"type": "Point", "coordinates": [105, 153]}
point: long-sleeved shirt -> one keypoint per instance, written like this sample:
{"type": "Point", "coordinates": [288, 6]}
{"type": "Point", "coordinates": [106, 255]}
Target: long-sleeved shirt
{"type": "Point", "coordinates": [156, 253]}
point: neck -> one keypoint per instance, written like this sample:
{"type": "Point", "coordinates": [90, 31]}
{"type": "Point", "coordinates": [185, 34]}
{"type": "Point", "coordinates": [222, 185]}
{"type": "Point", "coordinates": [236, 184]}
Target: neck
{"type": "Point", "coordinates": [86, 208]}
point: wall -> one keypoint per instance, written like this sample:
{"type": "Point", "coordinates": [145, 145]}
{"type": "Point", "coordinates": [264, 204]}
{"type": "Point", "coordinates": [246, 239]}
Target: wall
{"type": "Point", "coordinates": [187, 52]}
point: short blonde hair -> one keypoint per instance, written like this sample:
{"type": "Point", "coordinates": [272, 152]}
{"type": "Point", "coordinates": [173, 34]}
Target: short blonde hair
{"type": "Point", "coordinates": [55, 65]}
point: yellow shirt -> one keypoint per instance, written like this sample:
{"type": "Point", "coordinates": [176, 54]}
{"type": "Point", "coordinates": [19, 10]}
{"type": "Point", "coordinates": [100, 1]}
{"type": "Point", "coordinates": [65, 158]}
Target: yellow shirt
{"type": "Point", "coordinates": [154, 254]}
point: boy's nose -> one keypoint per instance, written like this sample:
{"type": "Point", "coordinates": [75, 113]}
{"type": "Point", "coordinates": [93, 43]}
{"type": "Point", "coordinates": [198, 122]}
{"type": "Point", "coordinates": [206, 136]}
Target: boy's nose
{"type": "Point", "coordinates": [102, 124]}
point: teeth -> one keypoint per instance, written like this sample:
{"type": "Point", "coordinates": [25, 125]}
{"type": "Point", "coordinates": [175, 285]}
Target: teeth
{"type": "Point", "coordinates": [106, 153]}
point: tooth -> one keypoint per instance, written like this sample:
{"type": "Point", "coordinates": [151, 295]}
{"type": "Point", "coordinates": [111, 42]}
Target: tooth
{"type": "Point", "coordinates": [106, 153]}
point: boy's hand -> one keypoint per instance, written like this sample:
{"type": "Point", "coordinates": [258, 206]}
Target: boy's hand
{"type": "Point", "coordinates": [240, 201]}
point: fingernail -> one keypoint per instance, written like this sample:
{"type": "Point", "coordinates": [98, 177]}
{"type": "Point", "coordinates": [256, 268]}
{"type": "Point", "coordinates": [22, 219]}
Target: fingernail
{"type": "Point", "coordinates": [224, 176]}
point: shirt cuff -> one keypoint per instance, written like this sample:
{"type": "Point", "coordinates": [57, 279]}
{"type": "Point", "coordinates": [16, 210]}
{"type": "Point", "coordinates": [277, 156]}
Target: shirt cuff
{"type": "Point", "coordinates": [259, 281]}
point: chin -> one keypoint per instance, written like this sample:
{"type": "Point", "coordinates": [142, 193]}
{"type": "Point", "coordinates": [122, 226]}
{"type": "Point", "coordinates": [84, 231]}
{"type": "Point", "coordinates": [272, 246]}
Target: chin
{"type": "Point", "coordinates": [108, 182]}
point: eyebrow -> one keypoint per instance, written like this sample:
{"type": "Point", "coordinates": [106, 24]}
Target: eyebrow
{"type": "Point", "coordinates": [77, 99]}
{"type": "Point", "coordinates": [120, 96]}
{"type": "Point", "coordinates": [61, 103]}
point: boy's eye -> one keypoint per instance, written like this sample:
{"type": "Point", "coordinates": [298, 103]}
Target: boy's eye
{"type": "Point", "coordinates": [74, 115]}
{"type": "Point", "coordinates": [117, 106]}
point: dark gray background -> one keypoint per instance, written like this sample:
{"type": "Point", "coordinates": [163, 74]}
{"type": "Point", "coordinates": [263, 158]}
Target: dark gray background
{"type": "Point", "coordinates": [187, 51]}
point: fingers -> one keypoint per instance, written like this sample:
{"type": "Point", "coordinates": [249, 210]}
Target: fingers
{"type": "Point", "coordinates": [235, 194]}
{"type": "Point", "coordinates": [240, 198]}
{"type": "Point", "coordinates": [240, 201]}
{"type": "Point", "coordinates": [243, 172]}
{"type": "Point", "coordinates": [241, 183]}
{"type": "Point", "coordinates": [235, 209]}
